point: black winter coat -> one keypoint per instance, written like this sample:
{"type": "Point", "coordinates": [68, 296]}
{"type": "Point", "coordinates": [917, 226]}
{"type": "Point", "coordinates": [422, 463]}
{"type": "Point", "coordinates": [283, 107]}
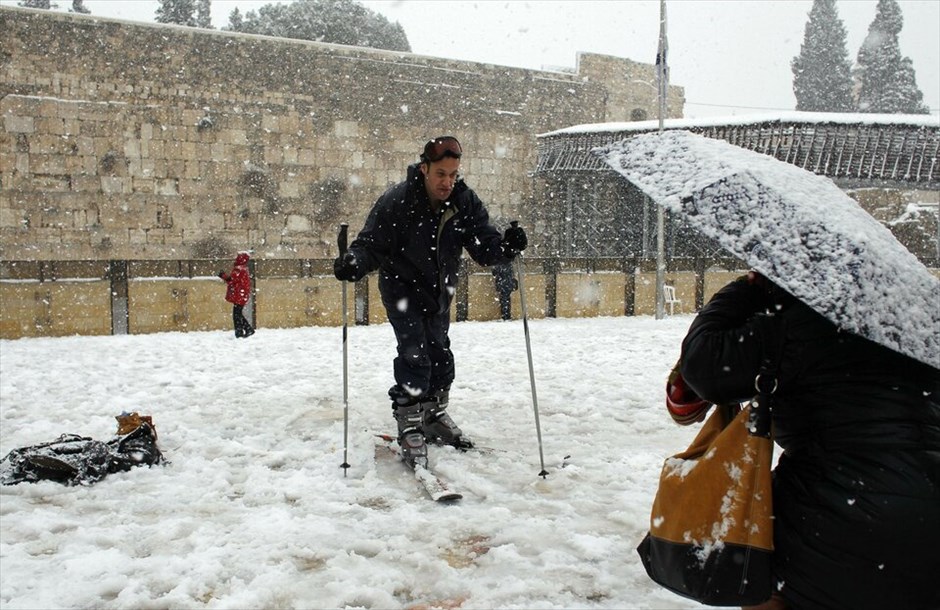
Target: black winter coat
{"type": "Point", "coordinates": [418, 251]}
{"type": "Point", "coordinates": [857, 488]}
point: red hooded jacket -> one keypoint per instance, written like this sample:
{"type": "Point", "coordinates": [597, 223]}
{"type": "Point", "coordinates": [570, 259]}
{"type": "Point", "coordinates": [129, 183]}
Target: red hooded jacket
{"type": "Point", "coordinates": [239, 281]}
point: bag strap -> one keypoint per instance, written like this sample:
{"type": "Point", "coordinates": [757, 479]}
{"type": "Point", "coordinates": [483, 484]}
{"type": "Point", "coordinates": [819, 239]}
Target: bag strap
{"type": "Point", "coordinates": [771, 327]}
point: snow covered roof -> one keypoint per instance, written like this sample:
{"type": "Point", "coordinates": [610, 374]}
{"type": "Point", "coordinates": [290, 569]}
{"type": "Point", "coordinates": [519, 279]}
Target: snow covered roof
{"type": "Point", "coordinates": [795, 227]}
{"type": "Point", "coordinates": [870, 149]}
{"type": "Point", "coordinates": [810, 118]}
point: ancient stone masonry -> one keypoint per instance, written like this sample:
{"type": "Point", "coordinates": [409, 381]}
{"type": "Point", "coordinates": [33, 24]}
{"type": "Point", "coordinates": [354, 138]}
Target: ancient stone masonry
{"type": "Point", "coordinates": [124, 141]}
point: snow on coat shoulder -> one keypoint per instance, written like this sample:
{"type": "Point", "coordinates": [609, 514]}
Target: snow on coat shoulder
{"type": "Point", "coordinates": [796, 228]}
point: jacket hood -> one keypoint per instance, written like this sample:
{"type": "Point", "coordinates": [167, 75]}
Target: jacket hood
{"type": "Point", "coordinates": [242, 258]}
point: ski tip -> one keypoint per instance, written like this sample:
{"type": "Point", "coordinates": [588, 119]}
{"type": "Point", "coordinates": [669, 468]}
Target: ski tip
{"type": "Point", "coordinates": [388, 438]}
{"type": "Point", "coordinates": [448, 496]}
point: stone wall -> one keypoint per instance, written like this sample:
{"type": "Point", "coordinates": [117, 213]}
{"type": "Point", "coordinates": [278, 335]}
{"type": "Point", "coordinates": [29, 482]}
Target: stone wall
{"type": "Point", "coordinates": [913, 217]}
{"type": "Point", "coordinates": [124, 141]}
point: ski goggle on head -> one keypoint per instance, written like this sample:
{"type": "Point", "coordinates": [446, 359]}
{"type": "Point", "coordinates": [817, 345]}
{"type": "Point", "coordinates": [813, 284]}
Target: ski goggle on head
{"type": "Point", "coordinates": [438, 148]}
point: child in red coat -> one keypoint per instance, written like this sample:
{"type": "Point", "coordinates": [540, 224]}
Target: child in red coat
{"type": "Point", "coordinates": [239, 289]}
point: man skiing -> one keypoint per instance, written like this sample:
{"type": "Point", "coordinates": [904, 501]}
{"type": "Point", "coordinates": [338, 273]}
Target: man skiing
{"type": "Point", "coordinates": [415, 235]}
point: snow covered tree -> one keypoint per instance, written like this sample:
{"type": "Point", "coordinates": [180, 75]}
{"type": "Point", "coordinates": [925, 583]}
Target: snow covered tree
{"type": "Point", "coordinates": [887, 80]}
{"type": "Point", "coordinates": [78, 6]}
{"type": "Point", "coordinates": [203, 14]}
{"type": "Point", "coordinates": [235, 21]}
{"type": "Point", "coordinates": [181, 12]}
{"type": "Point", "coordinates": [822, 72]}
{"type": "Point", "coordinates": [43, 4]}
{"type": "Point", "coordinates": [337, 21]}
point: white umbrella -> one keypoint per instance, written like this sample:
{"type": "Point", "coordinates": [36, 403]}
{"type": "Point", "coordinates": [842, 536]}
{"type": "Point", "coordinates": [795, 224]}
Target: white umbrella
{"type": "Point", "coordinates": [796, 228]}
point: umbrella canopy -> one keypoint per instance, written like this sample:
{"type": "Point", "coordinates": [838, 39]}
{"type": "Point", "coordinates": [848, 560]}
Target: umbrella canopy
{"type": "Point", "coordinates": [796, 228]}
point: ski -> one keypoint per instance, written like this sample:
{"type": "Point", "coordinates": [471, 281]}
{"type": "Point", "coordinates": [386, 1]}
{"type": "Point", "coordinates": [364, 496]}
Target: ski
{"type": "Point", "coordinates": [437, 488]}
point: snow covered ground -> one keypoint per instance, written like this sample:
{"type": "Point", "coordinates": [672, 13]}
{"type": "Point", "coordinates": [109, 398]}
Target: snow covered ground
{"type": "Point", "coordinates": [254, 511]}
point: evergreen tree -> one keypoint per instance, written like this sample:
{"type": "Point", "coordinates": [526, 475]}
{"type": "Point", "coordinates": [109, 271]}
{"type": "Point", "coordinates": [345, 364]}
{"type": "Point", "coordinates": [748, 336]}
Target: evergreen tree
{"type": "Point", "coordinates": [887, 80]}
{"type": "Point", "coordinates": [337, 21]}
{"type": "Point", "coordinates": [822, 72]}
{"type": "Point", "coordinates": [43, 4]}
{"type": "Point", "coordinates": [235, 21]}
{"type": "Point", "coordinates": [181, 12]}
{"type": "Point", "coordinates": [78, 6]}
{"type": "Point", "coordinates": [203, 14]}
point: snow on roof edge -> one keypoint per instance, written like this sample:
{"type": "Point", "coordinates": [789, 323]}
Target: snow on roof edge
{"type": "Point", "coordinates": [817, 118]}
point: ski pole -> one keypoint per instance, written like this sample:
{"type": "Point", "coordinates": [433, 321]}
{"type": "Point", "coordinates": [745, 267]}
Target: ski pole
{"type": "Point", "coordinates": [341, 242]}
{"type": "Point", "coordinates": [528, 350]}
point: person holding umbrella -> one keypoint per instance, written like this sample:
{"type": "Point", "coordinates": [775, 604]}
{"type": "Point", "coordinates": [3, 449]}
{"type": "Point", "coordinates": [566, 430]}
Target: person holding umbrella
{"type": "Point", "coordinates": [856, 493]}
{"type": "Point", "coordinates": [414, 236]}
{"type": "Point", "coordinates": [846, 321]}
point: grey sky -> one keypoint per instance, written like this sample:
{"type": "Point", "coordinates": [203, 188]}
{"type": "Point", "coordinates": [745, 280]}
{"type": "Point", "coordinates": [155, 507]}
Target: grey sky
{"type": "Point", "coordinates": [732, 56]}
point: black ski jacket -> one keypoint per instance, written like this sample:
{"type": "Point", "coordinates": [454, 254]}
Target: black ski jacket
{"type": "Point", "coordinates": [417, 251]}
{"type": "Point", "coordinates": [856, 491]}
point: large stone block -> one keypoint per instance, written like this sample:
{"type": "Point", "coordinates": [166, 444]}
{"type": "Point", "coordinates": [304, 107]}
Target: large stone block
{"type": "Point", "coordinates": [18, 124]}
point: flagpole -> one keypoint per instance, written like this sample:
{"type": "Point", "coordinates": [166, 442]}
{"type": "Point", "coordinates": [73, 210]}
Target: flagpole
{"type": "Point", "coordinates": [662, 72]}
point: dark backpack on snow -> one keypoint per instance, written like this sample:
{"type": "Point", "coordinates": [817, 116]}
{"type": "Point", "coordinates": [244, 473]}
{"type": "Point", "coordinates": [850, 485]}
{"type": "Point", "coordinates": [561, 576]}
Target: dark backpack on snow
{"type": "Point", "coordinates": [78, 460]}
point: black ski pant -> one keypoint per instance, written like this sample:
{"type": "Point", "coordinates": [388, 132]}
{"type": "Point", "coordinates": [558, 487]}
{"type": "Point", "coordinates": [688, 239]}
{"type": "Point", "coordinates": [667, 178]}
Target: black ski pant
{"type": "Point", "coordinates": [505, 305]}
{"type": "Point", "coordinates": [242, 325]}
{"type": "Point", "coordinates": [424, 363]}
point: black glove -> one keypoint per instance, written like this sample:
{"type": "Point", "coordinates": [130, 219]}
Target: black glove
{"type": "Point", "coordinates": [514, 241]}
{"type": "Point", "coordinates": [221, 274]}
{"type": "Point", "coordinates": [345, 268]}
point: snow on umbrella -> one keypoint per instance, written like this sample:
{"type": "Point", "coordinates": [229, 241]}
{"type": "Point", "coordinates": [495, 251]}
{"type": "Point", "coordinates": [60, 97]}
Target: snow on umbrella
{"type": "Point", "coordinates": [796, 228]}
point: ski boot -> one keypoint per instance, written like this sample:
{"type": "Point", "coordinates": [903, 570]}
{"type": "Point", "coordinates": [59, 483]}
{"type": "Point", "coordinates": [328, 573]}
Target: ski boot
{"type": "Point", "coordinates": [410, 436]}
{"type": "Point", "coordinates": [438, 426]}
